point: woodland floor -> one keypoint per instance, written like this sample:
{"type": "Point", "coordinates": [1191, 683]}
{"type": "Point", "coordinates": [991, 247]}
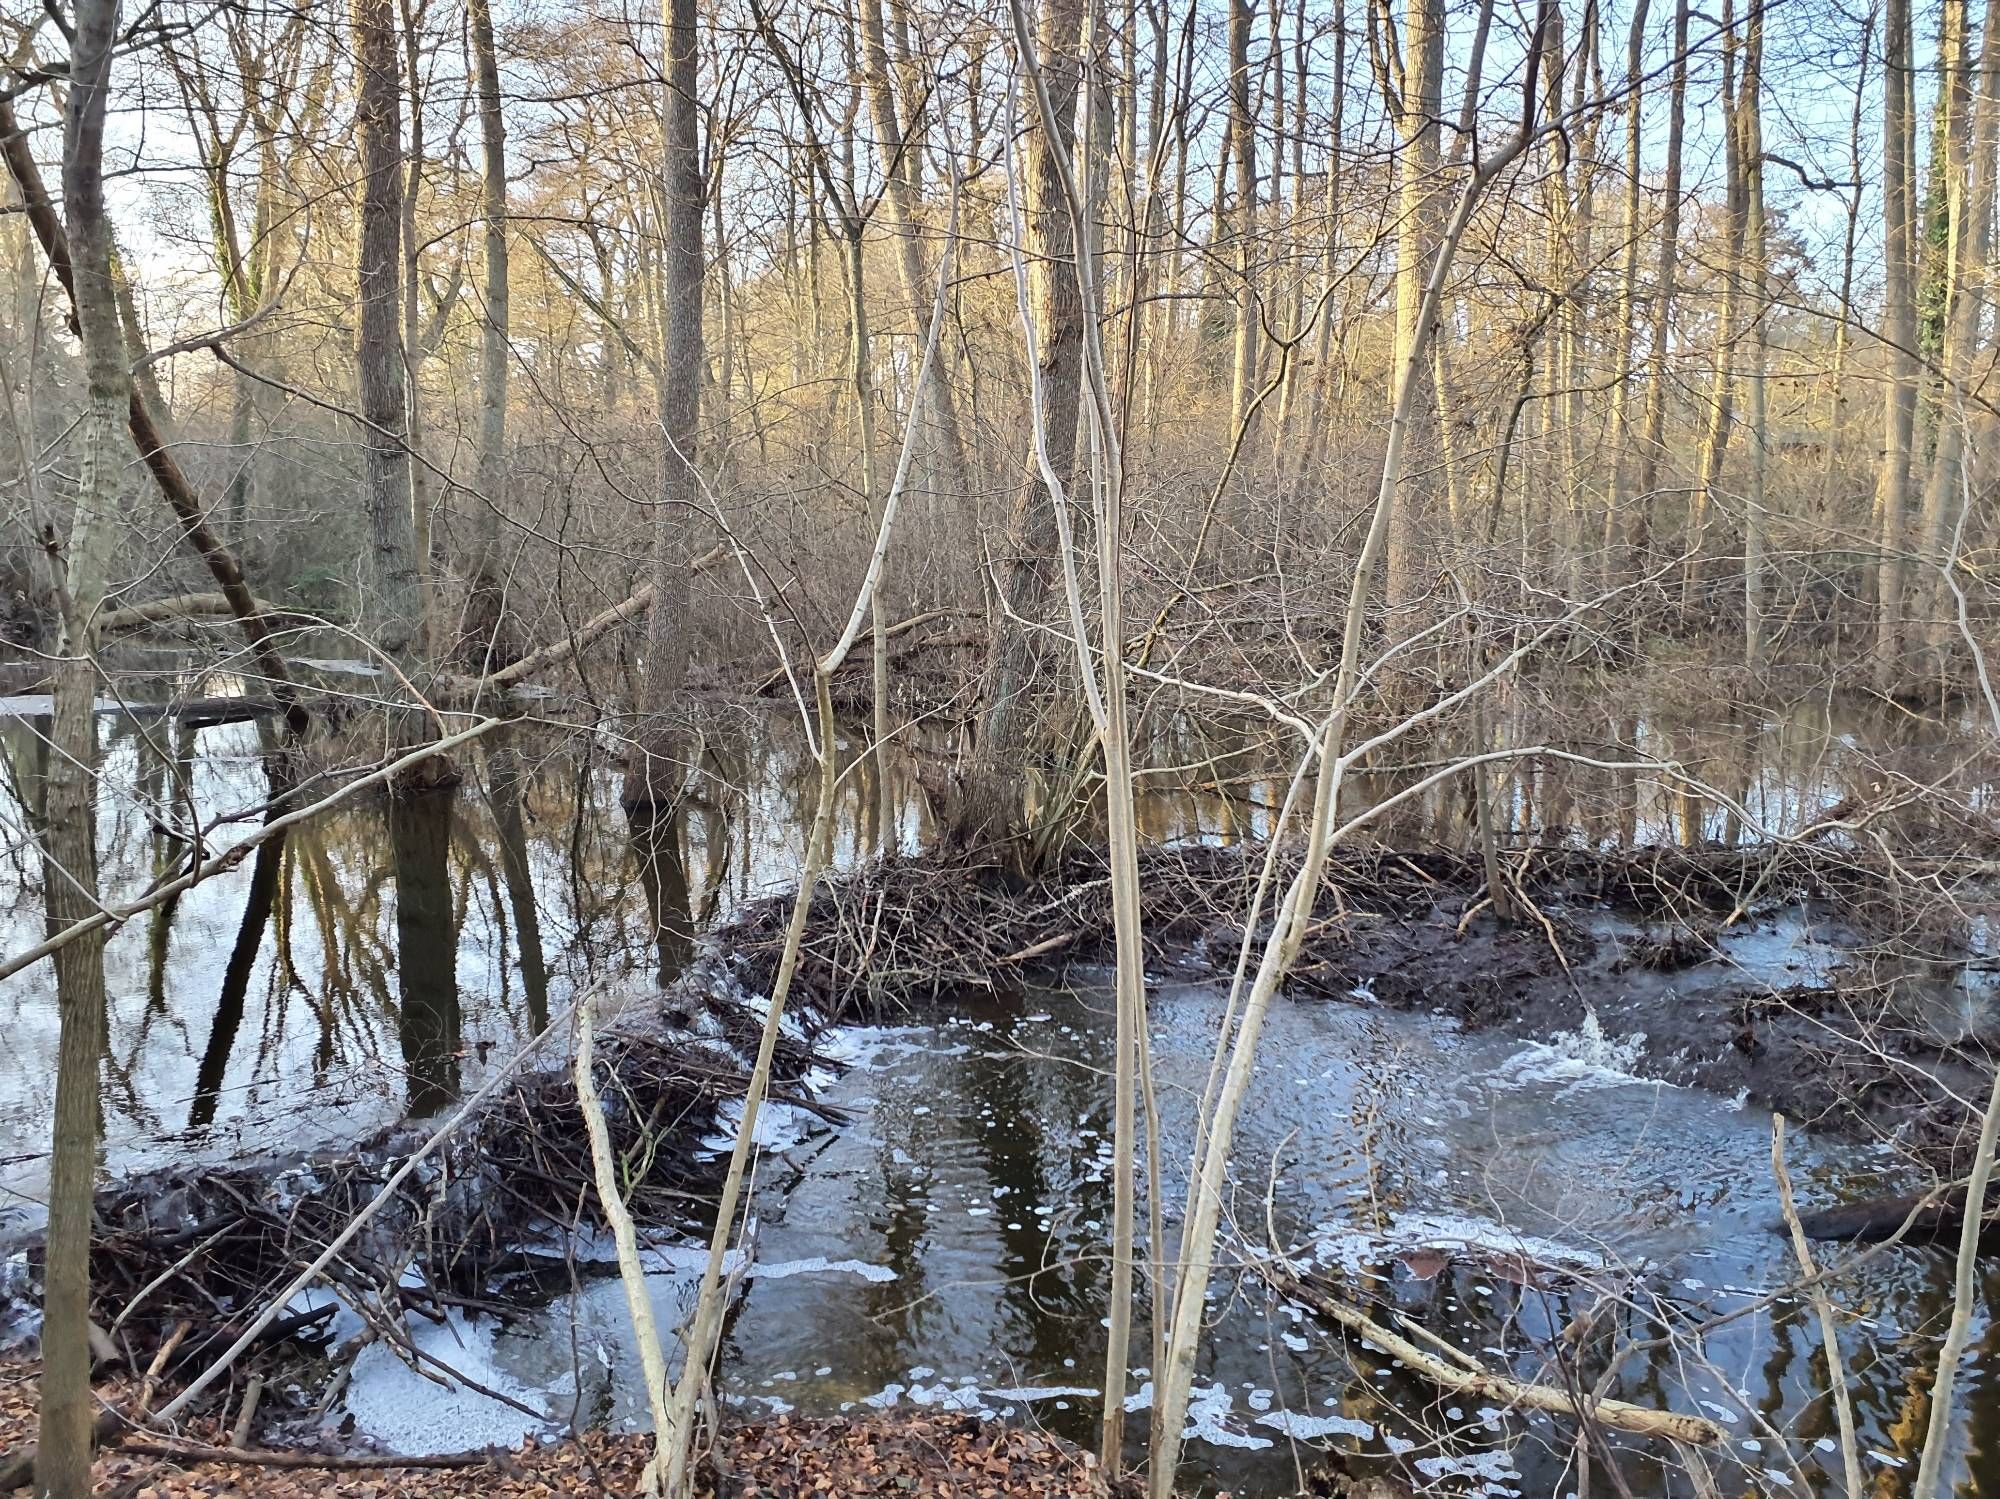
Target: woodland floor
{"type": "Point", "coordinates": [908, 1455]}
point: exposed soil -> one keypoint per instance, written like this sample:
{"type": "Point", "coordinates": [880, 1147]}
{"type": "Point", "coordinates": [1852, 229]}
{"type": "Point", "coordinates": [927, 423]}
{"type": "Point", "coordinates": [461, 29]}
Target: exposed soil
{"type": "Point", "coordinates": [1784, 975]}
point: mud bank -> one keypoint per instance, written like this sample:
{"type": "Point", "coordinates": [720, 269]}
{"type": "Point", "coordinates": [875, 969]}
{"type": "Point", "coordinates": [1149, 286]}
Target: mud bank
{"type": "Point", "coordinates": [1844, 991]}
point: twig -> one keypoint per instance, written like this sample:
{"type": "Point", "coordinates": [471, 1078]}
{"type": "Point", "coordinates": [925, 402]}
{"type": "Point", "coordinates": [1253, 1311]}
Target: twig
{"type": "Point", "coordinates": [337, 1461]}
{"type": "Point", "coordinates": [1836, 1372]}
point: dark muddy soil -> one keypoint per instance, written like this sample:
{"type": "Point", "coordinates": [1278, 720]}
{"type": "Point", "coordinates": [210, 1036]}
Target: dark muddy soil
{"type": "Point", "coordinates": [1806, 979]}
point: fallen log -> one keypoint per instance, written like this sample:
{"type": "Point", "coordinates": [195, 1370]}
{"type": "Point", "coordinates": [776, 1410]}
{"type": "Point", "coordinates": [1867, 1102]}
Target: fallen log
{"type": "Point", "coordinates": [1503, 1389]}
{"type": "Point", "coordinates": [1920, 1218]}
{"type": "Point", "coordinates": [581, 638]}
{"type": "Point", "coordinates": [135, 618]}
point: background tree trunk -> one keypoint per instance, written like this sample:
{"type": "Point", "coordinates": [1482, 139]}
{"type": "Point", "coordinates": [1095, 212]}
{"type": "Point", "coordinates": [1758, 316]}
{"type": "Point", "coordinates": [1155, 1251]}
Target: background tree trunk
{"type": "Point", "coordinates": [393, 606]}
{"type": "Point", "coordinates": [490, 644]}
{"type": "Point", "coordinates": [654, 773]}
{"type": "Point", "coordinates": [1411, 534]}
{"type": "Point", "coordinates": [1899, 335]}
{"type": "Point", "coordinates": [1026, 568]}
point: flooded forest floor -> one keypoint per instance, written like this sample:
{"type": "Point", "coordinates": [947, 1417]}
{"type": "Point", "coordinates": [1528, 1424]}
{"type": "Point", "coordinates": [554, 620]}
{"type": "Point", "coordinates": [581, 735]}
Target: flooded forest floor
{"type": "Point", "coordinates": [1786, 975]}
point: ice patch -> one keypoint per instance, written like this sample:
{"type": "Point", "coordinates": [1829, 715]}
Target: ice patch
{"type": "Point", "coordinates": [821, 1265]}
{"type": "Point", "coordinates": [407, 1413]}
{"type": "Point", "coordinates": [1355, 1249]}
{"type": "Point", "coordinates": [780, 1126]}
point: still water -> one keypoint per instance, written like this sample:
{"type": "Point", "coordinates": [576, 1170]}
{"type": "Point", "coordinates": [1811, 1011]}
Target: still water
{"type": "Point", "coordinates": [370, 966]}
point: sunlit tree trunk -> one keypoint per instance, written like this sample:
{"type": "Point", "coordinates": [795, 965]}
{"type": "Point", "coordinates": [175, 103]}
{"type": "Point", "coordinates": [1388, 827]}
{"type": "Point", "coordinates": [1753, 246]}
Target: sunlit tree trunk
{"type": "Point", "coordinates": [1027, 572]}
{"type": "Point", "coordinates": [653, 773]}
{"type": "Point", "coordinates": [1660, 323]}
{"type": "Point", "coordinates": [900, 198]}
{"type": "Point", "coordinates": [1412, 520]}
{"type": "Point", "coordinates": [1971, 154]}
{"type": "Point", "coordinates": [1756, 267]}
{"type": "Point", "coordinates": [68, 1414]}
{"type": "Point", "coordinates": [1615, 518]}
{"type": "Point", "coordinates": [1899, 335]}
{"type": "Point", "coordinates": [1722, 384]}
{"type": "Point", "coordinates": [1243, 155]}
{"type": "Point", "coordinates": [394, 604]}
{"type": "Point", "coordinates": [490, 643]}
{"type": "Point", "coordinates": [422, 501]}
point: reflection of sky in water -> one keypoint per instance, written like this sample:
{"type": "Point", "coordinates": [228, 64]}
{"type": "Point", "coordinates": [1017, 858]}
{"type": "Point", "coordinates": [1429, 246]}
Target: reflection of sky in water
{"type": "Point", "coordinates": [323, 1044]}
{"type": "Point", "coordinates": [318, 1053]}
{"type": "Point", "coordinates": [325, 1040]}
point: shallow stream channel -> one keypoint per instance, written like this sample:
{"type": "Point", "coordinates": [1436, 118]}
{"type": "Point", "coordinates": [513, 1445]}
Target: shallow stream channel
{"type": "Point", "coordinates": [944, 1249]}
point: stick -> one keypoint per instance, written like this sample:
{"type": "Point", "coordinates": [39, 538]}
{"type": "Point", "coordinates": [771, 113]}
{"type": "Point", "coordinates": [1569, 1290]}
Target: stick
{"type": "Point", "coordinates": [231, 857]}
{"type": "Point", "coordinates": [239, 1434]}
{"type": "Point", "coordinates": [346, 1236]}
{"type": "Point", "coordinates": [338, 1461]}
{"type": "Point", "coordinates": [1836, 1372]}
{"type": "Point", "coordinates": [638, 1297]}
{"type": "Point", "coordinates": [1637, 1419]}
{"type": "Point", "coordinates": [1936, 1437]}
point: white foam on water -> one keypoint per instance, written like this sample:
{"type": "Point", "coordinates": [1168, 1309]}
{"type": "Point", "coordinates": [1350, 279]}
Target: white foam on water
{"type": "Point", "coordinates": [1493, 1467]}
{"type": "Point", "coordinates": [1577, 1061]}
{"type": "Point", "coordinates": [1309, 1428]}
{"type": "Point", "coordinates": [1353, 1249]}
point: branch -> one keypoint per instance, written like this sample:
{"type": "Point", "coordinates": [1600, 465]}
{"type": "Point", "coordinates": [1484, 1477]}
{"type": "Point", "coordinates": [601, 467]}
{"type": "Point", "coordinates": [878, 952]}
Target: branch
{"type": "Point", "coordinates": [1640, 1420]}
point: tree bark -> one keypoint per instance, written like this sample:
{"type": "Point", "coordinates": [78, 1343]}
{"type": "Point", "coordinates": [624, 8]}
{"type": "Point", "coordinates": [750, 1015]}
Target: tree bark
{"type": "Point", "coordinates": [1027, 566]}
{"type": "Point", "coordinates": [1899, 336]}
{"type": "Point", "coordinates": [393, 607]}
{"type": "Point", "coordinates": [1659, 330]}
{"type": "Point", "coordinates": [1412, 522]}
{"type": "Point", "coordinates": [491, 643]}
{"type": "Point", "coordinates": [1755, 527]}
{"type": "Point", "coordinates": [899, 155]}
{"type": "Point", "coordinates": [654, 773]}
{"type": "Point", "coordinates": [68, 1418]}
{"type": "Point", "coordinates": [1972, 153]}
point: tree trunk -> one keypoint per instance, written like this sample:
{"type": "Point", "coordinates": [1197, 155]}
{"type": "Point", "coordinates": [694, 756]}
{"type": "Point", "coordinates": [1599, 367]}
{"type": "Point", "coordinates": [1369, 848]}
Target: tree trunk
{"type": "Point", "coordinates": [491, 643]}
{"type": "Point", "coordinates": [393, 608]}
{"type": "Point", "coordinates": [1899, 335]}
{"type": "Point", "coordinates": [1628, 297]}
{"type": "Point", "coordinates": [1755, 527]}
{"type": "Point", "coordinates": [653, 774]}
{"type": "Point", "coordinates": [1976, 116]}
{"type": "Point", "coordinates": [1015, 657]}
{"type": "Point", "coordinates": [1243, 152]}
{"type": "Point", "coordinates": [1722, 390]}
{"type": "Point", "coordinates": [68, 1414]}
{"type": "Point", "coordinates": [1411, 534]}
{"type": "Point", "coordinates": [940, 411]}
{"type": "Point", "coordinates": [1660, 324]}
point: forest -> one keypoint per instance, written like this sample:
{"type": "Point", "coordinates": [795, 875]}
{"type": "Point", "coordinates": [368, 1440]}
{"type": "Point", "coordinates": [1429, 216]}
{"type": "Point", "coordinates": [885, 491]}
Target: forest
{"type": "Point", "coordinates": [1062, 747]}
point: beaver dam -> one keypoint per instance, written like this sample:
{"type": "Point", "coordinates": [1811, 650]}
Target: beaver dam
{"type": "Point", "coordinates": [1544, 1144]}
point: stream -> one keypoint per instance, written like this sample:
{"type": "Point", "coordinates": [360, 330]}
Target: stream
{"type": "Point", "coordinates": [944, 1247]}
